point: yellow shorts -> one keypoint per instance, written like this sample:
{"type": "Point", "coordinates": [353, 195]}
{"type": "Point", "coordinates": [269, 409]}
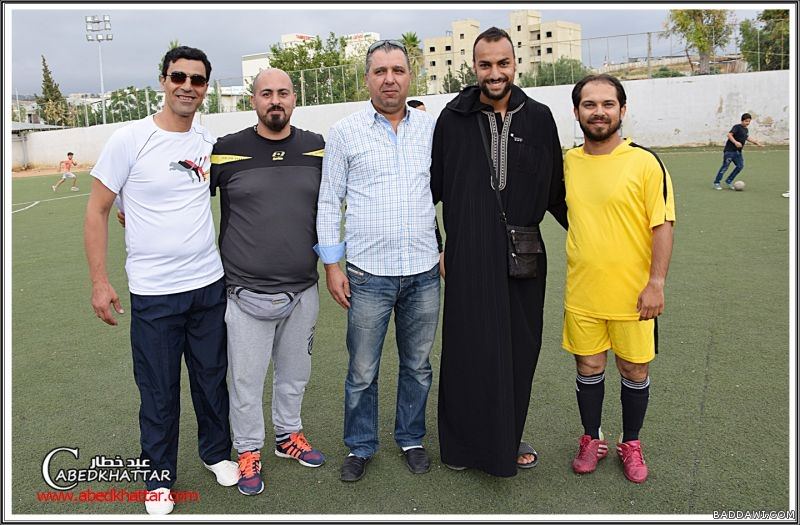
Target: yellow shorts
{"type": "Point", "coordinates": [633, 341]}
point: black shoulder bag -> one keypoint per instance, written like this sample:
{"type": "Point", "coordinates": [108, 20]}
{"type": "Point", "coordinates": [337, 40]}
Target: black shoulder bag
{"type": "Point", "coordinates": [524, 244]}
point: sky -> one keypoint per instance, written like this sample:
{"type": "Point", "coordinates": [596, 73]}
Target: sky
{"type": "Point", "coordinates": [142, 34]}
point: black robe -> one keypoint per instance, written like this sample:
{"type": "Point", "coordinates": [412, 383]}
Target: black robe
{"type": "Point", "coordinates": [492, 329]}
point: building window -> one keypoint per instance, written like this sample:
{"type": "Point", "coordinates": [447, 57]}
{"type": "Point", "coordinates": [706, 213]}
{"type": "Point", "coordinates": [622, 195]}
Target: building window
{"type": "Point", "coordinates": [519, 28]}
{"type": "Point", "coordinates": [447, 48]}
{"type": "Point", "coordinates": [463, 53]}
{"type": "Point", "coordinates": [519, 44]}
{"type": "Point", "coordinates": [433, 63]}
{"type": "Point", "coordinates": [449, 62]}
{"type": "Point", "coordinates": [549, 34]}
{"type": "Point", "coordinates": [432, 49]}
{"type": "Point", "coordinates": [433, 77]}
{"type": "Point", "coordinates": [461, 36]}
{"type": "Point", "coordinates": [519, 60]}
{"type": "Point", "coordinates": [538, 52]}
{"type": "Point", "coordinates": [549, 50]}
{"type": "Point", "coordinates": [538, 36]}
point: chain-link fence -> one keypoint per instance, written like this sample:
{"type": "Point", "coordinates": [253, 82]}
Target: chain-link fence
{"type": "Point", "coordinates": [627, 56]}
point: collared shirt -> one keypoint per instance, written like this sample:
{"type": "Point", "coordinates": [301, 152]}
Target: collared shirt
{"type": "Point", "coordinates": [385, 180]}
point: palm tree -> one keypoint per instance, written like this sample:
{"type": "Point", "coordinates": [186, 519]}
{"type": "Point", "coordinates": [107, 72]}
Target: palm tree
{"type": "Point", "coordinates": [414, 49]}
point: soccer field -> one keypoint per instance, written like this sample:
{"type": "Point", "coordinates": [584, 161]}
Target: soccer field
{"type": "Point", "coordinates": [716, 435]}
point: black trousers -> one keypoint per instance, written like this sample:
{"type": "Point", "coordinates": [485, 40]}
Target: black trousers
{"type": "Point", "coordinates": [164, 328]}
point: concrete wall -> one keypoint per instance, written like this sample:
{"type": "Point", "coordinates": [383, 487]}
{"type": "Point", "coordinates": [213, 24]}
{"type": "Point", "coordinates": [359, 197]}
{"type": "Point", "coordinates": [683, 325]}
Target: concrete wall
{"type": "Point", "coordinates": [681, 111]}
{"type": "Point", "coordinates": [19, 152]}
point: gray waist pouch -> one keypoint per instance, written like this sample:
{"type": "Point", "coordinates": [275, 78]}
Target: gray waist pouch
{"type": "Point", "coordinates": [264, 306]}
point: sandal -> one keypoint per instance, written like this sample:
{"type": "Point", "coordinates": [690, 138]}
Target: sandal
{"type": "Point", "coordinates": [525, 448]}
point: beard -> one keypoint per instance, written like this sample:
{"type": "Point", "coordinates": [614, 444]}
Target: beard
{"type": "Point", "coordinates": [484, 87]}
{"type": "Point", "coordinates": [600, 137]}
{"type": "Point", "coordinates": [275, 121]}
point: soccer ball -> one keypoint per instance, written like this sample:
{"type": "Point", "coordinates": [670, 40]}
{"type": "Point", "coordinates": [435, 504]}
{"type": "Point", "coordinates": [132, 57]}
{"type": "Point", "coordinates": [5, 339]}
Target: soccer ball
{"type": "Point", "coordinates": [738, 185]}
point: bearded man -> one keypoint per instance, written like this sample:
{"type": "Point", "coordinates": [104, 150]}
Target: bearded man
{"type": "Point", "coordinates": [268, 176]}
{"type": "Point", "coordinates": [496, 162]}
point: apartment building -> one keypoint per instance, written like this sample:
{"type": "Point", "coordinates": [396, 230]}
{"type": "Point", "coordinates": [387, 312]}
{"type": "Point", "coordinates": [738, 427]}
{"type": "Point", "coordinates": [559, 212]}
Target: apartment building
{"type": "Point", "coordinates": [535, 42]}
{"type": "Point", "coordinates": [448, 51]}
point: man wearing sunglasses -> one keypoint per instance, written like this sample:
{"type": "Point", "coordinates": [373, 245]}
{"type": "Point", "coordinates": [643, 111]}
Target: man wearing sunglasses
{"type": "Point", "coordinates": [379, 160]}
{"type": "Point", "coordinates": [496, 162]}
{"type": "Point", "coordinates": [268, 176]}
{"type": "Point", "coordinates": [158, 166]}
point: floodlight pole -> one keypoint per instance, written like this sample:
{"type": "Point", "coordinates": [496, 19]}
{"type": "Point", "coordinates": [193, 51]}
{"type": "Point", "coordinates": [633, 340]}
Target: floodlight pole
{"type": "Point", "coordinates": [96, 24]}
{"type": "Point", "coordinates": [102, 86]}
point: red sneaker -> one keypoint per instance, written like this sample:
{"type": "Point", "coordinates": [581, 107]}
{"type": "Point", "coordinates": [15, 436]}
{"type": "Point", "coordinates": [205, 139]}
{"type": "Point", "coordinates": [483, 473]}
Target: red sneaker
{"type": "Point", "coordinates": [590, 451]}
{"type": "Point", "coordinates": [630, 453]}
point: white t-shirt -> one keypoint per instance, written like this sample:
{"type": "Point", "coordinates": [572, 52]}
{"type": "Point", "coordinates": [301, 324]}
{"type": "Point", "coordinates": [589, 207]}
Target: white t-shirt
{"type": "Point", "coordinates": [162, 179]}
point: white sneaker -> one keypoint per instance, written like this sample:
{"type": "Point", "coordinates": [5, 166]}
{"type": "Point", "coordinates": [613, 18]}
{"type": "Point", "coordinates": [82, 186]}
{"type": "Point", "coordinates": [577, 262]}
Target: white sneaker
{"type": "Point", "coordinates": [159, 501]}
{"type": "Point", "coordinates": [786, 194]}
{"type": "Point", "coordinates": [227, 472]}
{"type": "Point", "coordinates": [54, 188]}
{"type": "Point", "coordinates": [74, 188]}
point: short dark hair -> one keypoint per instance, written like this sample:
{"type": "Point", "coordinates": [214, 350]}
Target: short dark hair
{"type": "Point", "coordinates": [493, 34]}
{"type": "Point", "coordinates": [69, 153]}
{"type": "Point", "coordinates": [415, 103]}
{"type": "Point", "coordinates": [189, 53]}
{"type": "Point", "coordinates": [386, 46]}
{"type": "Point", "coordinates": [747, 116]}
{"type": "Point", "coordinates": [603, 77]}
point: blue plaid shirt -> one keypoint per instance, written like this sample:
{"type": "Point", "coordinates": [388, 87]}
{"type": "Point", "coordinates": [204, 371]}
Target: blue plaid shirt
{"type": "Point", "coordinates": [385, 179]}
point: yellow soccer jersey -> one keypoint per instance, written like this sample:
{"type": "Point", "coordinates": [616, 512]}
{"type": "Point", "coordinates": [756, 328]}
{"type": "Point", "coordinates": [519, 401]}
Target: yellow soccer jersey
{"type": "Point", "coordinates": [613, 203]}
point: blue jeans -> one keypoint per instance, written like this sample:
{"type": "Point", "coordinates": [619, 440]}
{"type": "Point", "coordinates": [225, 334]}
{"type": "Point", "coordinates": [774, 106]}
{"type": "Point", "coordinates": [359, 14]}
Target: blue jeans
{"type": "Point", "coordinates": [727, 157]}
{"type": "Point", "coordinates": [415, 301]}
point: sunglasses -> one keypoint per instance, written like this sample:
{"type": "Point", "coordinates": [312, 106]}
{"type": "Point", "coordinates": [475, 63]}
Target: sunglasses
{"type": "Point", "coordinates": [179, 77]}
{"type": "Point", "coordinates": [386, 43]}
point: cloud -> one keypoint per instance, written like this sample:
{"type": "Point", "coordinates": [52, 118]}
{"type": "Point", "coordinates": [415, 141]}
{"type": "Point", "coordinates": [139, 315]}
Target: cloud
{"type": "Point", "coordinates": [225, 33]}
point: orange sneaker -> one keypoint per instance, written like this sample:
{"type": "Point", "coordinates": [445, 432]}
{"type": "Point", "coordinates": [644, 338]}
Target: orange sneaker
{"type": "Point", "coordinates": [297, 447]}
{"type": "Point", "coordinates": [250, 482]}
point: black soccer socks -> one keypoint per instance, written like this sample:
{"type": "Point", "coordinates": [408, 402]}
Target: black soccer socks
{"type": "Point", "coordinates": [634, 396]}
{"type": "Point", "coordinates": [590, 391]}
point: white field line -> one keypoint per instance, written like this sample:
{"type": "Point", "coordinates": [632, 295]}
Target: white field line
{"type": "Point", "coordinates": [27, 207]}
{"type": "Point", "coordinates": [46, 200]}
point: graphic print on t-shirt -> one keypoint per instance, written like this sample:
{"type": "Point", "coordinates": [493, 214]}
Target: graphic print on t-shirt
{"type": "Point", "coordinates": [192, 167]}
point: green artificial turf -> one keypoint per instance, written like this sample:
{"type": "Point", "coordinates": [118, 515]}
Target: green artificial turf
{"type": "Point", "coordinates": [716, 435]}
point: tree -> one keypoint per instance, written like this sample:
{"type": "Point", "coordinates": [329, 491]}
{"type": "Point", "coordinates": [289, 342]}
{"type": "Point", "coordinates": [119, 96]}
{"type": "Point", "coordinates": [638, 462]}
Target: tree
{"type": "Point", "coordinates": [212, 103]}
{"type": "Point", "coordinates": [319, 71]}
{"type": "Point", "coordinates": [131, 104]}
{"type": "Point", "coordinates": [415, 60]}
{"type": "Point", "coordinates": [703, 30]}
{"type": "Point", "coordinates": [455, 82]}
{"type": "Point", "coordinates": [172, 45]}
{"type": "Point", "coordinates": [562, 71]}
{"type": "Point", "coordinates": [466, 76]}
{"type": "Point", "coordinates": [52, 104]}
{"type": "Point", "coordinates": [244, 104]}
{"type": "Point", "coordinates": [309, 55]}
{"type": "Point", "coordinates": [665, 72]}
{"type": "Point", "coordinates": [450, 83]}
{"type": "Point", "coordinates": [19, 114]}
{"type": "Point", "coordinates": [765, 44]}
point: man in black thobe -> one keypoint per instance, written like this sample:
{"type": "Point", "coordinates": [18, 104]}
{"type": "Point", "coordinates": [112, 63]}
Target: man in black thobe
{"type": "Point", "coordinates": [492, 328]}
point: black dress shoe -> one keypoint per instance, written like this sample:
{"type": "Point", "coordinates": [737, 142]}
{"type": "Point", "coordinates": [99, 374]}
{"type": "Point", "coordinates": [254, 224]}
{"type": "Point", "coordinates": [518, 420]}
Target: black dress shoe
{"type": "Point", "coordinates": [354, 468]}
{"type": "Point", "coordinates": [417, 460]}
